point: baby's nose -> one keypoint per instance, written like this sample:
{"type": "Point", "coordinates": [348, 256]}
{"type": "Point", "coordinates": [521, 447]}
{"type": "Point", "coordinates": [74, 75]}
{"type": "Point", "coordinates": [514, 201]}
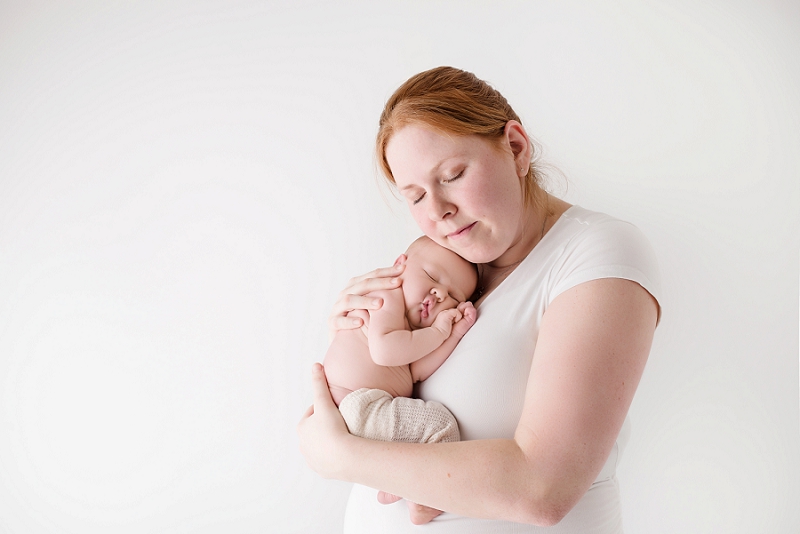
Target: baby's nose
{"type": "Point", "coordinates": [438, 292]}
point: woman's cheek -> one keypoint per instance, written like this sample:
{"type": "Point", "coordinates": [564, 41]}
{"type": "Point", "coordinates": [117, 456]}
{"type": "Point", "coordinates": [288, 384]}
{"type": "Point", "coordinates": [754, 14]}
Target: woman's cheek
{"type": "Point", "coordinates": [424, 222]}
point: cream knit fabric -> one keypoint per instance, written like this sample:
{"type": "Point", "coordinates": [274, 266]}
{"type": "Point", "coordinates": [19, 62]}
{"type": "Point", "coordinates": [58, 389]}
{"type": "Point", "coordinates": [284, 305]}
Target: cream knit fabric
{"type": "Point", "coordinates": [374, 414]}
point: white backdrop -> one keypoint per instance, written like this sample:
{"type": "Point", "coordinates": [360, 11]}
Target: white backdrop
{"type": "Point", "coordinates": [185, 187]}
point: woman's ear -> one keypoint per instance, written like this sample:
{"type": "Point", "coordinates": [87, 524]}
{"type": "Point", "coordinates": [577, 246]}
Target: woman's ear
{"type": "Point", "coordinates": [520, 145]}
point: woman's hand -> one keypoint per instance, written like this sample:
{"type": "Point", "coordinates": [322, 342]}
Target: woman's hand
{"type": "Point", "coordinates": [322, 431]}
{"type": "Point", "coordinates": [418, 514]}
{"type": "Point", "coordinates": [353, 296]}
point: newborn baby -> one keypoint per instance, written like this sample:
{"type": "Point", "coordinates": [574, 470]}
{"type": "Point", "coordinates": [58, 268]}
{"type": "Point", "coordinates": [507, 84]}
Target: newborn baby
{"type": "Point", "coordinates": [371, 371]}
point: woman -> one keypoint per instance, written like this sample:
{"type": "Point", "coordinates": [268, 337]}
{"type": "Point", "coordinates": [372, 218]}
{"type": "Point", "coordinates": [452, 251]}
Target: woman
{"type": "Point", "coordinates": [542, 383]}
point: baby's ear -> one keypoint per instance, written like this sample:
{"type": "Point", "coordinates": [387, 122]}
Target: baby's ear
{"type": "Point", "coordinates": [401, 259]}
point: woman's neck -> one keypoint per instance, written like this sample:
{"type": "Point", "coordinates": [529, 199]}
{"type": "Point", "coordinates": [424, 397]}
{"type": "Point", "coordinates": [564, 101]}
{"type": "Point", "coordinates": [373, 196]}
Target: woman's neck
{"type": "Point", "coordinates": [536, 222]}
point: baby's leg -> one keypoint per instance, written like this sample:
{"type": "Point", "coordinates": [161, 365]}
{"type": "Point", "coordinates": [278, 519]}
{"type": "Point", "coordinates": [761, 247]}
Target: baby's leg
{"type": "Point", "coordinates": [374, 414]}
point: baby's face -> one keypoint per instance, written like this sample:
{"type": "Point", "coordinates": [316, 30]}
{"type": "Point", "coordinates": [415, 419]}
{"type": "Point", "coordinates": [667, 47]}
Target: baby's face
{"type": "Point", "coordinates": [434, 279]}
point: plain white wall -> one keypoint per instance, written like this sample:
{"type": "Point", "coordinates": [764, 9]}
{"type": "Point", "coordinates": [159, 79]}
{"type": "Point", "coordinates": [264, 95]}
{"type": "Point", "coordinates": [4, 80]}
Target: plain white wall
{"type": "Point", "coordinates": [186, 186]}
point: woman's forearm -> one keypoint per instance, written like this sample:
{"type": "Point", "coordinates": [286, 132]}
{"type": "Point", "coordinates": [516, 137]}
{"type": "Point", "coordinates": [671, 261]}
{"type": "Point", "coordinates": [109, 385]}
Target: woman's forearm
{"type": "Point", "coordinates": [581, 384]}
{"type": "Point", "coordinates": [491, 479]}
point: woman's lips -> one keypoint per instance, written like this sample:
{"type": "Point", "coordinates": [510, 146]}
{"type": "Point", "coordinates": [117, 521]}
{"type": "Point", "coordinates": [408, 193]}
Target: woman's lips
{"type": "Point", "coordinates": [464, 230]}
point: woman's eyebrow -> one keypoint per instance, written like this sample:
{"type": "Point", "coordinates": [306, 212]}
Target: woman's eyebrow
{"type": "Point", "coordinates": [435, 171]}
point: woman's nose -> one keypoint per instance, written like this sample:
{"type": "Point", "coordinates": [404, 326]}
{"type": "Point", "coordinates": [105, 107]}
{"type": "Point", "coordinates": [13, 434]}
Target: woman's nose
{"type": "Point", "coordinates": [439, 208]}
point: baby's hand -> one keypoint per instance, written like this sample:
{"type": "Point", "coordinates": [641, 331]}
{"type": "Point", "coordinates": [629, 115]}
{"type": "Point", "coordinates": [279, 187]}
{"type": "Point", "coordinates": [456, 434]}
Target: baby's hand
{"type": "Point", "coordinates": [444, 321]}
{"type": "Point", "coordinates": [469, 316]}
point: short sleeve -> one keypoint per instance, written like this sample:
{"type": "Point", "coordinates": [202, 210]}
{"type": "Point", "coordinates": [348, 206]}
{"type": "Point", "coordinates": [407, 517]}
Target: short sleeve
{"type": "Point", "coordinates": [609, 248]}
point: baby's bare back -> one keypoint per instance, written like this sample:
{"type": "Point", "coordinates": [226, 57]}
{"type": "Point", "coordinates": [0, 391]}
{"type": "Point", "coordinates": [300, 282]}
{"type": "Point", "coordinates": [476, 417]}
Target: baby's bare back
{"type": "Point", "coordinates": [349, 367]}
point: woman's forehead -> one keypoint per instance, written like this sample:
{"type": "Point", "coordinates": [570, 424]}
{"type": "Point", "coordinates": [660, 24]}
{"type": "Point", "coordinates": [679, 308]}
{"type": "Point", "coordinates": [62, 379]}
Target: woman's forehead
{"type": "Point", "coordinates": [415, 150]}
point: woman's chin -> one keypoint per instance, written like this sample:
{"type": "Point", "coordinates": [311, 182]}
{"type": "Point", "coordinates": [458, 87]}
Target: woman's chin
{"type": "Point", "coordinates": [474, 253]}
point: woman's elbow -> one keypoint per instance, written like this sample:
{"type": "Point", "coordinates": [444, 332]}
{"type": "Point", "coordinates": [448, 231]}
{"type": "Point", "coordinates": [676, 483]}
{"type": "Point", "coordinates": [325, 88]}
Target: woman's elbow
{"type": "Point", "coordinates": [544, 514]}
{"type": "Point", "coordinates": [547, 508]}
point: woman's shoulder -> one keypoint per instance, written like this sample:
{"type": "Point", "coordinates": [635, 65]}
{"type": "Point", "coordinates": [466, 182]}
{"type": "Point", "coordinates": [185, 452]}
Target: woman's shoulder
{"type": "Point", "coordinates": [580, 216]}
{"type": "Point", "coordinates": [579, 227]}
{"type": "Point", "coordinates": [592, 244]}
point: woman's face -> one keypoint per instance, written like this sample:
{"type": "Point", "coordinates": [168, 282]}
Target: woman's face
{"type": "Point", "coordinates": [463, 191]}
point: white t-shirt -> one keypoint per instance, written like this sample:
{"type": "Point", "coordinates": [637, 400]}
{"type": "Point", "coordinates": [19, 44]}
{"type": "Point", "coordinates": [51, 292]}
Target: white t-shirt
{"type": "Point", "coordinates": [483, 381]}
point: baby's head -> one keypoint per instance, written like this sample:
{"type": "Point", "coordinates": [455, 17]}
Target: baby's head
{"type": "Point", "coordinates": [434, 279]}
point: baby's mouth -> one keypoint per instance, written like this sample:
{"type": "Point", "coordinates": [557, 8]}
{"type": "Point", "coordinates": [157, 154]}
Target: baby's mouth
{"type": "Point", "coordinates": [426, 308]}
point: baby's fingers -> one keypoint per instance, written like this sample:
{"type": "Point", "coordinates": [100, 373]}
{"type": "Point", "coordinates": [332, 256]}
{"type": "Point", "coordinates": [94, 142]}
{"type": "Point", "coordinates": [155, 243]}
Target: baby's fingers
{"type": "Point", "coordinates": [468, 311]}
{"type": "Point", "coordinates": [453, 315]}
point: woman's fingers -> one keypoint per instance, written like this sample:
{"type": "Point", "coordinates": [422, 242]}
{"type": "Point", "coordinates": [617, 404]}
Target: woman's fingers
{"type": "Point", "coordinates": [320, 394]}
{"type": "Point", "coordinates": [322, 432]}
{"type": "Point", "coordinates": [387, 498]}
{"type": "Point", "coordinates": [339, 320]}
{"type": "Point", "coordinates": [353, 297]}
{"type": "Point", "coordinates": [319, 390]}
{"type": "Point", "coordinates": [382, 272]}
{"type": "Point", "coordinates": [385, 278]}
{"type": "Point", "coordinates": [420, 514]}
{"type": "Point", "coordinates": [350, 302]}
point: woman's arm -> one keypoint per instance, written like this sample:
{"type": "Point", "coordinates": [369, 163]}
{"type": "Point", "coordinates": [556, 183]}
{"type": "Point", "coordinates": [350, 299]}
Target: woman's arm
{"type": "Point", "coordinates": [354, 296]}
{"type": "Point", "coordinates": [593, 343]}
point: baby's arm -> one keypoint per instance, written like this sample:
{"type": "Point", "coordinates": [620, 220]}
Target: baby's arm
{"type": "Point", "coordinates": [391, 343]}
{"type": "Point", "coordinates": [426, 366]}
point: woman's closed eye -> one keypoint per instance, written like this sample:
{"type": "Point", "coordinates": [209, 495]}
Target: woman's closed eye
{"type": "Point", "coordinates": [418, 199]}
{"type": "Point", "coordinates": [454, 178]}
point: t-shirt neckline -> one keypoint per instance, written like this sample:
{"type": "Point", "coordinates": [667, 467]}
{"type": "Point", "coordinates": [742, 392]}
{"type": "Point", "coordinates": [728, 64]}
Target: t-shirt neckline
{"type": "Point", "coordinates": [531, 254]}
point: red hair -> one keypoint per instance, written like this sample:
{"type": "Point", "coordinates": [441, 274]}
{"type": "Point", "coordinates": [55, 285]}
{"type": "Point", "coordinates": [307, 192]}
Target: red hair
{"type": "Point", "coordinates": [452, 101]}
